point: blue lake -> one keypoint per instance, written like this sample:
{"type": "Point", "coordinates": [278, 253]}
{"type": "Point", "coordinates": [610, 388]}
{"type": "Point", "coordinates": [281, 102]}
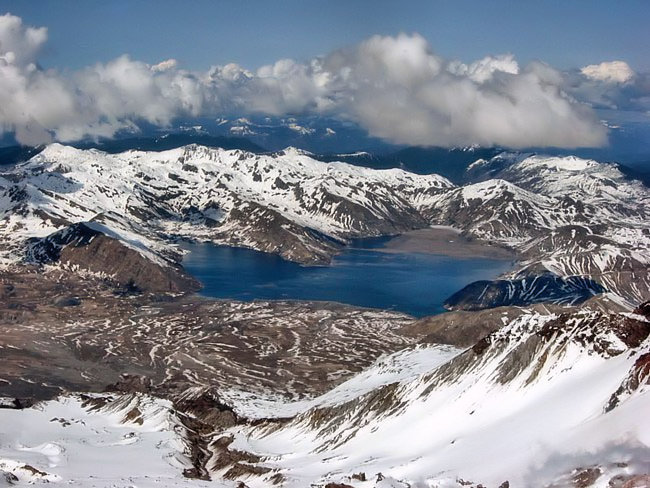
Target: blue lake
{"type": "Point", "coordinates": [413, 283]}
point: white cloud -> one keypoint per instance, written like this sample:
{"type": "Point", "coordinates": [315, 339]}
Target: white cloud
{"type": "Point", "coordinates": [165, 65]}
{"type": "Point", "coordinates": [400, 91]}
{"type": "Point", "coordinates": [395, 87]}
{"type": "Point", "coordinates": [483, 70]}
{"type": "Point", "coordinates": [19, 44]}
{"type": "Point", "coordinates": [610, 85]}
{"type": "Point", "coordinates": [609, 71]}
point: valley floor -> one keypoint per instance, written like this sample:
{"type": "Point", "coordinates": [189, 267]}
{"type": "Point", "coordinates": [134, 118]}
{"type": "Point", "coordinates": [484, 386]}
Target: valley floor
{"type": "Point", "coordinates": [300, 394]}
{"type": "Point", "coordinates": [446, 241]}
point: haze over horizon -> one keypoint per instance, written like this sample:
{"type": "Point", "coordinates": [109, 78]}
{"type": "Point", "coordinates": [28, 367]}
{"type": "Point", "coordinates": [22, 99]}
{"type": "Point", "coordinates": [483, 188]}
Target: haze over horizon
{"type": "Point", "coordinates": [65, 76]}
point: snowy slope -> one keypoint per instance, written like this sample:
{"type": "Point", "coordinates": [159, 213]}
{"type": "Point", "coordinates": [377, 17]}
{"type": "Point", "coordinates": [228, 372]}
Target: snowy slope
{"type": "Point", "coordinates": [548, 400]}
{"type": "Point", "coordinates": [401, 366]}
{"type": "Point", "coordinates": [566, 216]}
{"type": "Point", "coordinates": [285, 203]}
{"type": "Point", "coordinates": [132, 441]}
{"type": "Point", "coordinates": [528, 405]}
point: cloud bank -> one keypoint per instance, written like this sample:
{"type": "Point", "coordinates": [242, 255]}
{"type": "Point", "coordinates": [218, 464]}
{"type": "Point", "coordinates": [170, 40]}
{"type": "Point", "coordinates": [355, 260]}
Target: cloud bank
{"type": "Point", "coordinates": [400, 91]}
{"type": "Point", "coordinates": [396, 88]}
{"type": "Point", "coordinates": [612, 85]}
{"type": "Point", "coordinates": [610, 71]}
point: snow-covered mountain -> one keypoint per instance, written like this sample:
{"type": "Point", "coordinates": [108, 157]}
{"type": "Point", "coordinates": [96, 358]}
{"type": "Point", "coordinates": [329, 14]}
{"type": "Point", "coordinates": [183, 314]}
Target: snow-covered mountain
{"type": "Point", "coordinates": [564, 216]}
{"type": "Point", "coordinates": [544, 401]}
{"type": "Point", "coordinates": [547, 400]}
{"type": "Point", "coordinates": [286, 203]}
{"type": "Point", "coordinates": [539, 398]}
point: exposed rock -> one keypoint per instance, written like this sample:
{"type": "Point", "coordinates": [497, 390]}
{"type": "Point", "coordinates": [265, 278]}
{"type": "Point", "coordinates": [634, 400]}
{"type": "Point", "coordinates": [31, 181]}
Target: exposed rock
{"type": "Point", "coordinates": [638, 481]}
{"type": "Point", "coordinates": [239, 463]}
{"type": "Point", "coordinates": [67, 302]}
{"type": "Point", "coordinates": [81, 246]}
{"type": "Point", "coordinates": [10, 478]}
{"type": "Point", "coordinates": [464, 329]}
{"type": "Point", "coordinates": [16, 403]}
{"type": "Point", "coordinates": [7, 291]}
{"type": "Point", "coordinates": [204, 405]}
{"type": "Point", "coordinates": [546, 288]}
{"type": "Point", "coordinates": [129, 383]}
{"type": "Point", "coordinates": [643, 309]}
{"type": "Point", "coordinates": [638, 376]}
{"type": "Point", "coordinates": [586, 477]}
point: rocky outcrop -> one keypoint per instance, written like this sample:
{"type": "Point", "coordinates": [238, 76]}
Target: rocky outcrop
{"type": "Point", "coordinates": [643, 310]}
{"type": "Point", "coordinates": [83, 247]}
{"type": "Point", "coordinates": [464, 328]}
{"type": "Point", "coordinates": [546, 288]}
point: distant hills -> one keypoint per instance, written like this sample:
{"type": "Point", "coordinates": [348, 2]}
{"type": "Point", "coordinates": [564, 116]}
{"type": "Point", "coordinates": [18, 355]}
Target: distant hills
{"type": "Point", "coordinates": [327, 140]}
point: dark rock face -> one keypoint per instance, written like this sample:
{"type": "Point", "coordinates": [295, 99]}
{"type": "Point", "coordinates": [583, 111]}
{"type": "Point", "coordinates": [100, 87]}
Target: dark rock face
{"type": "Point", "coordinates": [80, 246]}
{"type": "Point", "coordinates": [638, 376]}
{"type": "Point", "coordinates": [131, 384]}
{"type": "Point", "coordinates": [16, 403]}
{"type": "Point", "coordinates": [67, 302]}
{"type": "Point", "coordinates": [205, 406]}
{"type": "Point", "coordinates": [629, 331]}
{"type": "Point", "coordinates": [643, 309]}
{"type": "Point", "coordinates": [10, 478]}
{"type": "Point", "coordinates": [586, 477]}
{"type": "Point", "coordinates": [524, 291]}
{"type": "Point", "coordinates": [238, 463]}
{"type": "Point", "coordinates": [7, 291]}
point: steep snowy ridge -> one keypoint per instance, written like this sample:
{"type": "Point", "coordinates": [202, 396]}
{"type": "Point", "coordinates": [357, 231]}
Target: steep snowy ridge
{"type": "Point", "coordinates": [230, 197]}
{"type": "Point", "coordinates": [577, 382]}
{"type": "Point", "coordinates": [553, 400]}
{"type": "Point", "coordinates": [566, 216]}
{"type": "Point", "coordinates": [496, 210]}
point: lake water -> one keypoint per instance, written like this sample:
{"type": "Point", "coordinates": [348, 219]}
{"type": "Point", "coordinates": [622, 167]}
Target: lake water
{"type": "Point", "coordinates": [414, 283]}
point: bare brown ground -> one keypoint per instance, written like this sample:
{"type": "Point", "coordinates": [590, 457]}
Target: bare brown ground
{"type": "Point", "coordinates": [446, 241]}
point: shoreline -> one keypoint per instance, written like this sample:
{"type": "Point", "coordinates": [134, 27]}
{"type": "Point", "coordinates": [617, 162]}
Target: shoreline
{"type": "Point", "coordinates": [445, 241]}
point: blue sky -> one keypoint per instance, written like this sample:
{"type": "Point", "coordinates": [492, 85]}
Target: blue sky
{"type": "Point", "coordinates": [446, 73]}
{"type": "Point", "coordinates": [566, 34]}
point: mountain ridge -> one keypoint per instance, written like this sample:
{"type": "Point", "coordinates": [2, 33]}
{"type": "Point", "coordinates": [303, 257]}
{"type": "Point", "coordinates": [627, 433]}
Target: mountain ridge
{"type": "Point", "coordinates": [565, 216]}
